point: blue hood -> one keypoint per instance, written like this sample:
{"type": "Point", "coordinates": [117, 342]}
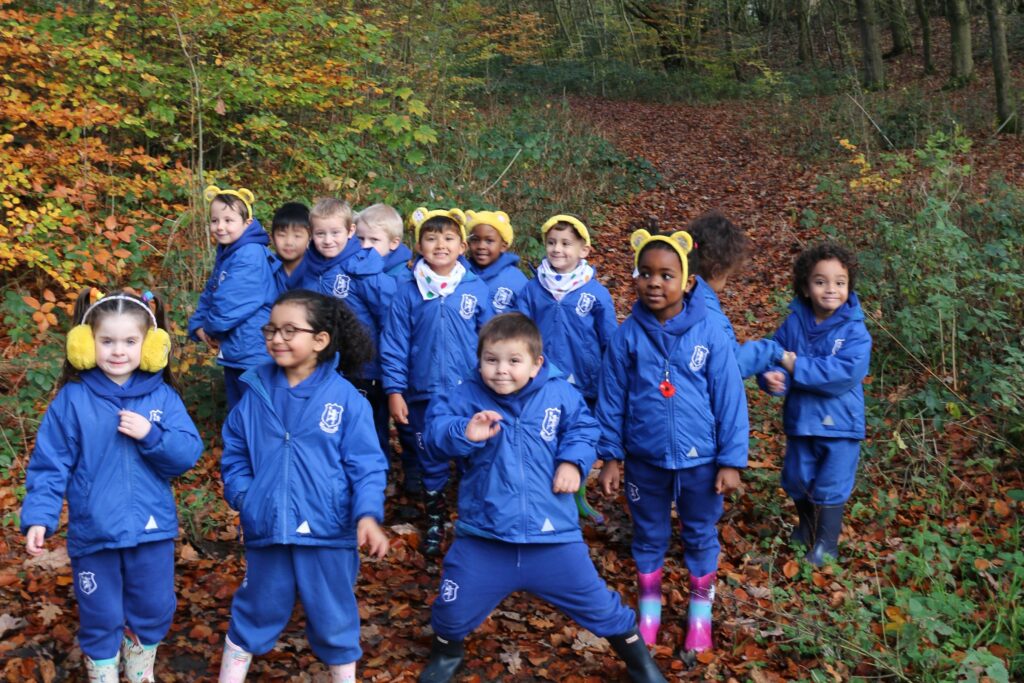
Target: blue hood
{"type": "Point", "coordinates": [139, 384]}
{"type": "Point", "coordinates": [491, 271]}
{"type": "Point", "coordinates": [357, 260]}
{"type": "Point", "coordinates": [665, 335]}
{"type": "Point", "coordinates": [400, 257]}
{"type": "Point", "coordinates": [848, 312]}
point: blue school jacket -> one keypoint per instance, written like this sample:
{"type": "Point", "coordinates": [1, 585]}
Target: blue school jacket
{"type": "Point", "coordinates": [505, 493]}
{"type": "Point", "coordinates": [356, 276]}
{"type": "Point", "coordinates": [305, 468]}
{"type": "Point", "coordinates": [754, 356]}
{"type": "Point", "coordinates": [237, 299]}
{"type": "Point", "coordinates": [118, 489]}
{"type": "Point", "coordinates": [429, 347]}
{"type": "Point", "coordinates": [576, 330]}
{"type": "Point", "coordinates": [825, 394]}
{"type": "Point", "coordinates": [397, 261]}
{"type": "Point", "coordinates": [704, 421]}
{"type": "Point", "coordinates": [504, 280]}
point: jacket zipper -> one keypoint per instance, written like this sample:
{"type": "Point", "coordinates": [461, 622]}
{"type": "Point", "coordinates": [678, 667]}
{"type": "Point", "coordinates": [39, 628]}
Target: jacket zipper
{"type": "Point", "coordinates": [671, 416]}
{"type": "Point", "coordinates": [522, 480]}
{"type": "Point", "coordinates": [284, 489]}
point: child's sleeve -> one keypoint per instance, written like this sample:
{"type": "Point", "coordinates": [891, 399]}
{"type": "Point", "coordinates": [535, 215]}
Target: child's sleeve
{"type": "Point", "coordinates": [605, 319]}
{"type": "Point", "coordinates": [49, 468]}
{"type": "Point", "coordinates": [524, 300]}
{"type": "Point", "coordinates": [446, 421]}
{"type": "Point", "coordinates": [381, 292]}
{"type": "Point", "coordinates": [611, 398]}
{"type": "Point", "coordinates": [394, 345]}
{"type": "Point", "coordinates": [235, 461]}
{"type": "Point", "coordinates": [198, 319]}
{"type": "Point", "coordinates": [243, 291]}
{"type": "Point", "coordinates": [757, 356]}
{"type": "Point", "coordinates": [484, 310]}
{"type": "Point", "coordinates": [728, 405]}
{"type": "Point", "coordinates": [781, 337]}
{"type": "Point", "coordinates": [579, 434]}
{"type": "Point", "coordinates": [839, 372]}
{"type": "Point", "coordinates": [172, 445]}
{"type": "Point", "coordinates": [364, 462]}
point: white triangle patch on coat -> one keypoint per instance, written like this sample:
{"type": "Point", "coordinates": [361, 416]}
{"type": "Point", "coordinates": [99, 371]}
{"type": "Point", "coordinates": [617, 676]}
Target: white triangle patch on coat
{"type": "Point", "coordinates": [570, 379]}
{"type": "Point", "coordinates": [828, 421]}
{"type": "Point", "coordinates": [151, 524]}
{"type": "Point", "coordinates": [304, 528]}
{"type": "Point", "coordinates": [548, 526]}
{"type": "Point", "coordinates": [693, 452]}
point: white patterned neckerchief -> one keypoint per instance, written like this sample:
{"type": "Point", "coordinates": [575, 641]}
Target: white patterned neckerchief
{"type": "Point", "coordinates": [434, 286]}
{"type": "Point", "coordinates": [561, 284]}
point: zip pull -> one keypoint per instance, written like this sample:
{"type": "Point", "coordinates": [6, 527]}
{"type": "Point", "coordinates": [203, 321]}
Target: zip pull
{"type": "Point", "coordinates": [666, 387]}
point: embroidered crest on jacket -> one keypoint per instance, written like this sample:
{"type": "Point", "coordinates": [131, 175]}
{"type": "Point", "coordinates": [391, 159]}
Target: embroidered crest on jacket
{"type": "Point", "coordinates": [330, 419]}
{"type": "Point", "coordinates": [341, 282]}
{"type": "Point", "coordinates": [585, 303]}
{"type": "Point", "coordinates": [699, 357]}
{"type": "Point", "coordinates": [502, 298]}
{"type": "Point", "coordinates": [467, 306]}
{"type": "Point", "coordinates": [549, 427]}
{"type": "Point", "coordinates": [837, 345]}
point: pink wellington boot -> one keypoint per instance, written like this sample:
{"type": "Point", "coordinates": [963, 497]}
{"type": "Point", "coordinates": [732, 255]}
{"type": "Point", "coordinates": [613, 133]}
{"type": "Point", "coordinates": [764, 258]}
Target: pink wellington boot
{"type": "Point", "coordinates": [649, 605]}
{"type": "Point", "coordinates": [698, 629]}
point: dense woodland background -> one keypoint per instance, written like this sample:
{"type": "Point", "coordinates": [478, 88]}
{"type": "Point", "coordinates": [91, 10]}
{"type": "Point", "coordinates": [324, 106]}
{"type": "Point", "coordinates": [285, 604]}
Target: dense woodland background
{"type": "Point", "coordinates": [891, 125]}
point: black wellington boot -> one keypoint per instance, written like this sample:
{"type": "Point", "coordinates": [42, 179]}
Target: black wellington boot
{"type": "Point", "coordinates": [445, 659]}
{"type": "Point", "coordinates": [436, 508]}
{"type": "Point", "coordinates": [640, 666]}
{"type": "Point", "coordinates": [804, 532]}
{"type": "Point", "coordinates": [826, 535]}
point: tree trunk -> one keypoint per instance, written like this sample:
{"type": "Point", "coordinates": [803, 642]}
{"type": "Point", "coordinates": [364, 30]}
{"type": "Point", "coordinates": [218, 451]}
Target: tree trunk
{"type": "Point", "coordinates": [899, 27]}
{"type": "Point", "coordinates": [874, 72]}
{"type": "Point", "coordinates": [805, 50]}
{"type": "Point", "coordinates": [1000, 66]}
{"type": "Point", "coordinates": [926, 35]}
{"type": "Point", "coordinates": [959, 17]}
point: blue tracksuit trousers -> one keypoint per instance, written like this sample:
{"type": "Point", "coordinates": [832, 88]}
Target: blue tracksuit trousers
{"type": "Point", "coordinates": [131, 587]}
{"type": "Point", "coordinates": [323, 578]}
{"type": "Point", "coordinates": [820, 469]}
{"type": "Point", "coordinates": [479, 573]}
{"type": "Point", "coordinates": [650, 491]}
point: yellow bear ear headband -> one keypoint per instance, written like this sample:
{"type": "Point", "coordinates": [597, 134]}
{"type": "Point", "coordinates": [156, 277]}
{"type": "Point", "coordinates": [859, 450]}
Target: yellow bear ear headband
{"type": "Point", "coordinates": [422, 215]}
{"type": "Point", "coordinates": [679, 240]}
{"type": "Point", "coordinates": [156, 347]}
{"type": "Point", "coordinates": [571, 220]}
{"type": "Point", "coordinates": [498, 220]}
{"type": "Point", "coordinates": [212, 191]}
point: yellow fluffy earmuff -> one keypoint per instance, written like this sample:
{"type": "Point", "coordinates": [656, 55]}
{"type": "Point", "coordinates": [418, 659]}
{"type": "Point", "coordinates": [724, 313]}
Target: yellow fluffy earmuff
{"type": "Point", "coordinates": [498, 220]}
{"type": "Point", "coordinates": [576, 223]}
{"type": "Point", "coordinates": [212, 191]}
{"type": "Point", "coordinates": [679, 240]}
{"type": "Point", "coordinates": [423, 214]}
{"type": "Point", "coordinates": [81, 347]}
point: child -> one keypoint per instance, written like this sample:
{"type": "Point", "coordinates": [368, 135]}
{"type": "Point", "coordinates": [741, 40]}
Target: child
{"type": "Point", "coordinates": [303, 467]}
{"type": "Point", "coordinates": [527, 439]}
{"type": "Point", "coordinates": [490, 236]}
{"type": "Point", "coordinates": [379, 227]}
{"type": "Point", "coordinates": [573, 310]}
{"type": "Point", "coordinates": [720, 251]}
{"type": "Point", "coordinates": [290, 231]}
{"type": "Point", "coordinates": [118, 428]}
{"type": "Point", "coordinates": [427, 345]}
{"type": "Point", "coordinates": [824, 410]}
{"type": "Point", "coordinates": [341, 267]}
{"type": "Point", "coordinates": [236, 300]}
{"type": "Point", "coordinates": [672, 404]}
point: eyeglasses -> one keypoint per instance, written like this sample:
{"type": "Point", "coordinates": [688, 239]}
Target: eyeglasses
{"type": "Point", "coordinates": [287, 331]}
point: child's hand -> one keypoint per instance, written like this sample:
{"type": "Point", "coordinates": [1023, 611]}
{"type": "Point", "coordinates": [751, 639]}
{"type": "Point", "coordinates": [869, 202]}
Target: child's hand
{"type": "Point", "coordinates": [774, 381]}
{"type": "Point", "coordinates": [207, 339]}
{"type": "Point", "coordinates": [398, 409]}
{"type": "Point", "coordinates": [133, 425]}
{"type": "Point", "coordinates": [567, 478]}
{"type": "Point", "coordinates": [727, 480]}
{"type": "Point", "coordinates": [34, 539]}
{"type": "Point", "coordinates": [483, 425]}
{"type": "Point", "coordinates": [788, 361]}
{"type": "Point", "coordinates": [609, 478]}
{"type": "Point", "coordinates": [369, 533]}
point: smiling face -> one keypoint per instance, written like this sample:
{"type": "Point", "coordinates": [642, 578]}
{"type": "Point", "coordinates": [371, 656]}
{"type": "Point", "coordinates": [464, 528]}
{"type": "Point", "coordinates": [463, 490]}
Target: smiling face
{"type": "Point", "coordinates": [828, 287]}
{"type": "Point", "coordinates": [441, 249]}
{"type": "Point", "coordinates": [485, 245]}
{"type": "Point", "coordinates": [290, 243]}
{"type": "Point", "coordinates": [506, 366]}
{"type": "Point", "coordinates": [331, 234]}
{"type": "Point", "coordinates": [659, 283]}
{"type": "Point", "coordinates": [565, 249]}
{"type": "Point", "coordinates": [119, 338]}
{"type": "Point", "coordinates": [226, 223]}
{"type": "Point", "coordinates": [298, 355]}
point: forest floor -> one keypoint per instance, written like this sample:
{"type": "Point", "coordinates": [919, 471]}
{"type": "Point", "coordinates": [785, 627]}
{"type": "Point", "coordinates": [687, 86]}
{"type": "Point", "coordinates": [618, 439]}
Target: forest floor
{"type": "Point", "coordinates": [708, 157]}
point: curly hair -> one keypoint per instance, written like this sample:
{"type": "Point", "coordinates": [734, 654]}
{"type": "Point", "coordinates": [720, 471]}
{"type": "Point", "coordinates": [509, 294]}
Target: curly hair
{"type": "Point", "coordinates": [349, 337]}
{"type": "Point", "coordinates": [824, 251]}
{"type": "Point", "coordinates": [719, 245]}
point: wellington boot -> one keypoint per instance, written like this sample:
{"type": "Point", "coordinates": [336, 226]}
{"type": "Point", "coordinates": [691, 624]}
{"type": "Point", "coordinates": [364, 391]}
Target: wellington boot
{"type": "Point", "coordinates": [698, 626]}
{"type": "Point", "coordinates": [649, 605]}
{"type": "Point", "coordinates": [803, 533]}
{"type": "Point", "coordinates": [138, 660]}
{"type": "Point", "coordinates": [445, 659]}
{"type": "Point", "coordinates": [234, 665]}
{"type": "Point", "coordinates": [103, 670]}
{"type": "Point", "coordinates": [640, 666]}
{"type": "Point", "coordinates": [436, 507]}
{"type": "Point", "coordinates": [826, 535]}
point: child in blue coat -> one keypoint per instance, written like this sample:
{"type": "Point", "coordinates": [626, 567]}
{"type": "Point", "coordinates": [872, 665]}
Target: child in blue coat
{"type": "Point", "coordinates": [527, 439]}
{"type": "Point", "coordinates": [673, 406]}
{"type": "Point", "coordinates": [490, 235]}
{"type": "Point", "coordinates": [823, 415]}
{"type": "Point", "coordinates": [428, 342]}
{"type": "Point", "coordinates": [303, 467]}
{"type": "Point", "coordinates": [290, 232]}
{"type": "Point", "coordinates": [113, 437]}
{"type": "Point", "coordinates": [237, 297]}
{"type": "Point", "coordinates": [573, 310]}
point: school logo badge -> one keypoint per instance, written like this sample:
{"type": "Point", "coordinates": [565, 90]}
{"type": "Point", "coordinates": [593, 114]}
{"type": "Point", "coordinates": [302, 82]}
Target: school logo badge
{"type": "Point", "coordinates": [838, 345]}
{"type": "Point", "coordinates": [330, 419]}
{"type": "Point", "coordinates": [549, 427]}
{"type": "Point", "coordinates": [502, 298]}
{"type": "Point", "coordinates": [699, 357]}
{"type": "Point", "coordinates": [340, 288]}
{"type": "Point", "coordinates": [467, 306]}
{"type": "Point", "coordinates": [449, 590]}
{"type": "Point", "coordinates": [87, 582]}
{"type": "Point", "coordinates": [155, 415]}
{"type": "Point", "coordinates": [633, 491]}
{"type": "Point", "coordinates": [223, 276]}
{"type": "Point", "coordinates": [585, 304]}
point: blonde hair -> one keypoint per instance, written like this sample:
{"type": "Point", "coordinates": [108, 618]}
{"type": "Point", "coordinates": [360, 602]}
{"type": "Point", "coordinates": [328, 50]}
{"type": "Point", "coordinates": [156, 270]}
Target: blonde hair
{"type": "Point", "coordinates": [384, 217]}
{"type": "Point", "coordinates": [329, 207]}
